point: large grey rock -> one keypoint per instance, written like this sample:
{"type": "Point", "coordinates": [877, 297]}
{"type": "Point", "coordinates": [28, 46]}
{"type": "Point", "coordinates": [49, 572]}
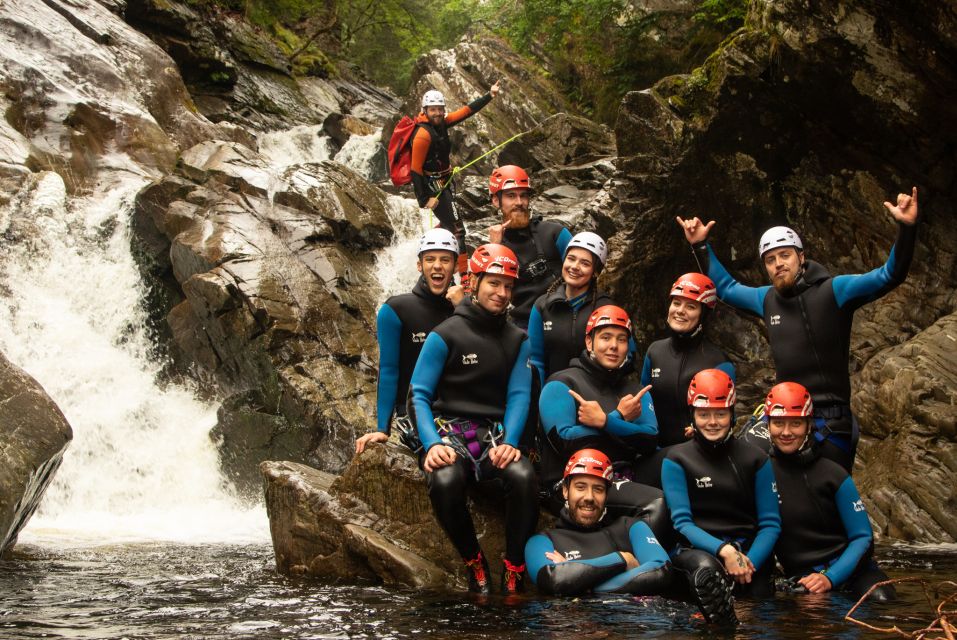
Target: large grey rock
{"type": "Point", "coordinates": [374, 522]}
{"type": "Point", "coordinates": [809, 118]}
{"type": "Point", "coordinates": [33, 436]}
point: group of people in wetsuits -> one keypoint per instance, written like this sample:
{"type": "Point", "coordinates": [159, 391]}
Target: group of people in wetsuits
{"type": "Point", "coordinates": [653, 492]}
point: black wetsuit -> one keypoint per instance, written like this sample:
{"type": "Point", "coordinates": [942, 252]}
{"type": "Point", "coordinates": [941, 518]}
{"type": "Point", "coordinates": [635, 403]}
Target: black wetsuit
{"type": "Point", "coordinates": [402, 325]}
{"type": "Point", "coordinates": [539, 248]}
{"type": "Point", "coordinates": [472, 374]}
{"type": "Point", "coordinates": [593, 559]}
{"type": "Point", "coordinates": [809, 330]}
{"type": "Point", "coordinates": [824, 525]}
{"type": "Point", "coordinates": [723, 493]}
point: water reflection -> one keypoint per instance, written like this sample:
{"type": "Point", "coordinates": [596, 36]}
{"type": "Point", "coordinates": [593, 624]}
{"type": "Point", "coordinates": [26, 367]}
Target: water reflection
{"type": "Point", "coordinates": [232, 591]}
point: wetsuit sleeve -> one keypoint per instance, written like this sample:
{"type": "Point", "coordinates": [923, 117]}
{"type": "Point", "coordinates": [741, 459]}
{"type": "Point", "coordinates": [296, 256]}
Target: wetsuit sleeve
{"type": "Point", "coordinates": [518, 396]}
{"type": "Point", "coordinates": [425, 379]}
{"type": "Point", "coordinates": [646, 372]}
{"type": "Point", "coordinates": [468, 110]}
{"type": "Point", "coordinates": [855, 290]}
{"type": "Point", "coordinates": [728, 368]}
{"type": "Point", "coordinates": [561, 242]}
{"type": "Point", "coordinates": [675, 486]}
{"type": "Point", "coordinates": [571, 576]}
{"type": "Point", "coordinates": [420, 150]}
{"type": "Point", "coordinates": [858, 529]}
{"type": "Point", "coordinates": [559, 412]}
{"type": "Point", "coordinates": [750, 299]}
{"type": "Point", "coordinates": [388, 333]}
{"type": "Point", "coordinates": [644, 424]}
{"type": "Point", "coordinates": [647, 550]}
{"type": "Point", "coordinates": [769, 515]}
{"type": "Point", "coordinates": [536, 341]}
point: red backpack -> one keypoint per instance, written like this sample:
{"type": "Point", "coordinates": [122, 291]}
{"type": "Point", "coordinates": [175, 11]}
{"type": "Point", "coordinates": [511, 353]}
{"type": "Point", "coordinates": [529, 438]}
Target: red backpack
{"type": "Point", "coordinates": [400, 151]}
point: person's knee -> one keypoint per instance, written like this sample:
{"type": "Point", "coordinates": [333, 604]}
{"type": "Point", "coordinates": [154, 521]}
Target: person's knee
{"type": "Point", "coordinates": [448, 480]}
{"type": "Point", "coordinates": [520, 477]}
{"type": "Point", "coordinates": [697, 560]}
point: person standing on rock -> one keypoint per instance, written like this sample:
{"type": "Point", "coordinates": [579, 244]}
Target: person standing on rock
{"type": "Point", "coordinates": [671, 362]}
{"type": "Point", "coordinates": [470, 397]}
{"type": "Point", "coordinates": [539, 244]}
{"type": "Point", "coordinates": [588, 551]}
{"type": "Point", "coordinates": [808, 315]}
{"type": "Point", "coordinates": [826, 542]}
{"type": "Point", "coordinates": [432, 165]}
{"type": "Point", "coordinates": [402, 325]}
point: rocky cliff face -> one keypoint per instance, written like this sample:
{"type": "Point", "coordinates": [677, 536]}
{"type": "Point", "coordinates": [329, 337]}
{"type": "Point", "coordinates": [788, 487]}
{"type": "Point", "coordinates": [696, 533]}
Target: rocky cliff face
{"type": "Point", "coordinates": [812, 117]}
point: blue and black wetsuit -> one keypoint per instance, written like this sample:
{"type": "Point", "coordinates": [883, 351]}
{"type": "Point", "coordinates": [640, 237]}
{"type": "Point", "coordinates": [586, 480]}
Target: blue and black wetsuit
{"type": "Point", "coordinates": [471, 376]}
{"type": "Point", "coordinates": [809, 331]}
{"type": "Point", "coordinates": [669, 365]}
{"type": "Point", "coordinates": [594, 562]}
{"type": "Point", "coordinates": [723, 493]}
{"type": "Point", "coordinates": [623, 441]}
{"type": "Point", "coordinates": [556, 328]}
{"type": "Point", "coordinates": [824, 525]}
{"type": "Point", "coordinates": [402, 325]}
{"type": "Point", "coordinates": [539, 248]}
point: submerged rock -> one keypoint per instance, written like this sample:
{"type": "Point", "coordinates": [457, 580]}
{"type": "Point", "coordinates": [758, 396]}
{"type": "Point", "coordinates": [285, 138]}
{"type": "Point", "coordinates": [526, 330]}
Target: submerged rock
{"type": "Point", "coordinates": [33, 436]}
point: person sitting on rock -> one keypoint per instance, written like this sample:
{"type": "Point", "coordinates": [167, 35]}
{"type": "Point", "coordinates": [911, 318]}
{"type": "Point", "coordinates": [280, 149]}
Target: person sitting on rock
{"type": "Point", "coordinates": [556, 327]}
{"type": "Point", "coordinates": [402, 325]}
{"type": "Point", "coordinates": [808, 315]}
{"type": "Point", "coordinates": [470, 397]}
{"type": "Point", "coordinates": [539, 244]}
{"type": "Point", "coordinates": [721, 495]}
{"type": "Point", "coordinates": [594, 404]}
{"type": "Point", "coordinates": [432, 165]}
{"type": "Point", "coordinates": [826, 541]}
{"type": "Point", "coordinates": [671, 362]}
{"type": "Point", "coordinates": [588, 551]}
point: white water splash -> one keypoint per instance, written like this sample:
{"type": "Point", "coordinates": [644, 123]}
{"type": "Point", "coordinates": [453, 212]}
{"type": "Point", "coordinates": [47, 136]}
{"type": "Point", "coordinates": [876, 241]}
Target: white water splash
{"type": "Point", "coordinates": [141, 465]}
{"type": "Point", "coordinates": [358, 153]}
{"type": "Point", "coordinates": [396, 264]}
{"type": "Point", "coordinates": [298, 145]}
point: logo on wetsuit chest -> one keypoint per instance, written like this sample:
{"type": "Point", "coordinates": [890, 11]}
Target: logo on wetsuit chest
{"type": "Point", "coordinates": [470, 358]}
{"type": "Point", "coordinates": [419, 337]}
{"type": "Point", "coordinates": [547, 325]}
{"type": "Point", "coordinates": [775, 319]}
{"type": "Point", "coordinates": [573, 555]}
{"type": "Point", "coordinates": [656, 372]}
{"type": "Point", "coordinates": [858, 505]}
{"type": "Point", "coordinates": [703, 483]}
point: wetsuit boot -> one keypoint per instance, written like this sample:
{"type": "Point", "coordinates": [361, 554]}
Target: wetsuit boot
{"type": "Point", "coordinates": [712, 593]}
{"type": "Point", "coordinates": [478, 574]}
{"type": "Point", "coordinates": [513, 578]}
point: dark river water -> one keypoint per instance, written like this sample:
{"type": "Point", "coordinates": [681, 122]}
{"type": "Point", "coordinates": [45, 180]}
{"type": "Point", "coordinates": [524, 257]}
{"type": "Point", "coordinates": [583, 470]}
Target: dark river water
{"type": "Point", "coordinates": [233, 591]}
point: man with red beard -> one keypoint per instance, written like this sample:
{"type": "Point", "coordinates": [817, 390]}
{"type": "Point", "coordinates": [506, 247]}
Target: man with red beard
{"type": "Point", "coordinates": [808, 315]}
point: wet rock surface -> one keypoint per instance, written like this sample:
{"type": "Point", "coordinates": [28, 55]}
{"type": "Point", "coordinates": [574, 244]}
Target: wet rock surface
{"type": "Point", "coordinates": [743, 140]}
{"type": "Point", "coordinates": [33, 436]}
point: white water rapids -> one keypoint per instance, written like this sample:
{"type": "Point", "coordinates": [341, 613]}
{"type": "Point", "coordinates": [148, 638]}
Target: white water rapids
{"type": "Point", "coordinates": [141, 466]}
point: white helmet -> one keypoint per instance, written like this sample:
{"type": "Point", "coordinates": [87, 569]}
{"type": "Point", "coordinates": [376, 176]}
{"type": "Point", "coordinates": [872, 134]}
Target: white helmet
{"type": "Point", "coordinates": [779, 237]}
{"type": "Point", "coordinates": [438, 240]}
{"type": "Point", "coordinates": [433, 98]}
{"type": "Point", "coordinates": [592, 242]}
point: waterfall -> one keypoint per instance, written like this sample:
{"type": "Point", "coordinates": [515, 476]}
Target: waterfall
{"type": "Point", "coordinates": [298, 145]}
{"type": "Point", "coordinates": [141, 465]}
{"type": "Point", "coordinates": [395, 265]}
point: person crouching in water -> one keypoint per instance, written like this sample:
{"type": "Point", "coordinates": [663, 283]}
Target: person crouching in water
{"type": "Point", "coordinates": [826, 543]}
{"type": "Point", "coordinates": [470, 396]}
{"type": "Point", "coordinates": [594, 404]}
{"type": "Point", "coordinates": [722, 497]}
{"type": "Point", "coordinates": [589, 552]}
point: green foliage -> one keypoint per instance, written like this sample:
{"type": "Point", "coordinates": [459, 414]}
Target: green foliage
{"type": "Point", "coordinates": [727, 14]}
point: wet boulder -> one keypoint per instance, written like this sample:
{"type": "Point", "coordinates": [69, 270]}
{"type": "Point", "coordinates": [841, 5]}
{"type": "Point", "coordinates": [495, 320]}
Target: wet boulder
{"type": "Point", "coordinates": [33, 437]}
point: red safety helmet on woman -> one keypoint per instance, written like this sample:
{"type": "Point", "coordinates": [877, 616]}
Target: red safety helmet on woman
{"type": "Point", "coordinates": [494, 259]}
{"type": "Point", "coordinates": [588, 462]}
{"type": "Point", "coordinates": [788, 400]}
{"type": "Point", "coordinates": [508, 177]}
{"type": "Point", "coordinates": [697, 287]}
{"type": "Point", "coordinates": [608, 316]}
{"type": "Point", "coordinates": [711, 389]}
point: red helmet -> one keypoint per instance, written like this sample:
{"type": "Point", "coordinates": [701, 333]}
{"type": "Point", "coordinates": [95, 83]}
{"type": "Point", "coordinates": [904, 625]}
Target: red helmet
{"type": "Point", "coordinates": [697, 287]}
{"type": "Point", "coordinates": [508, 177]}
{"type": "Point", "coordinates": [788, 400]}
{"type": "Point", "coordinates": [589, 462]}
{"type": "Point", "coordinates": [711, 389]}
{"type": "Point", "coordinates": [494, 258]}
{"type": "Point", "coordinates": [608, 315]}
